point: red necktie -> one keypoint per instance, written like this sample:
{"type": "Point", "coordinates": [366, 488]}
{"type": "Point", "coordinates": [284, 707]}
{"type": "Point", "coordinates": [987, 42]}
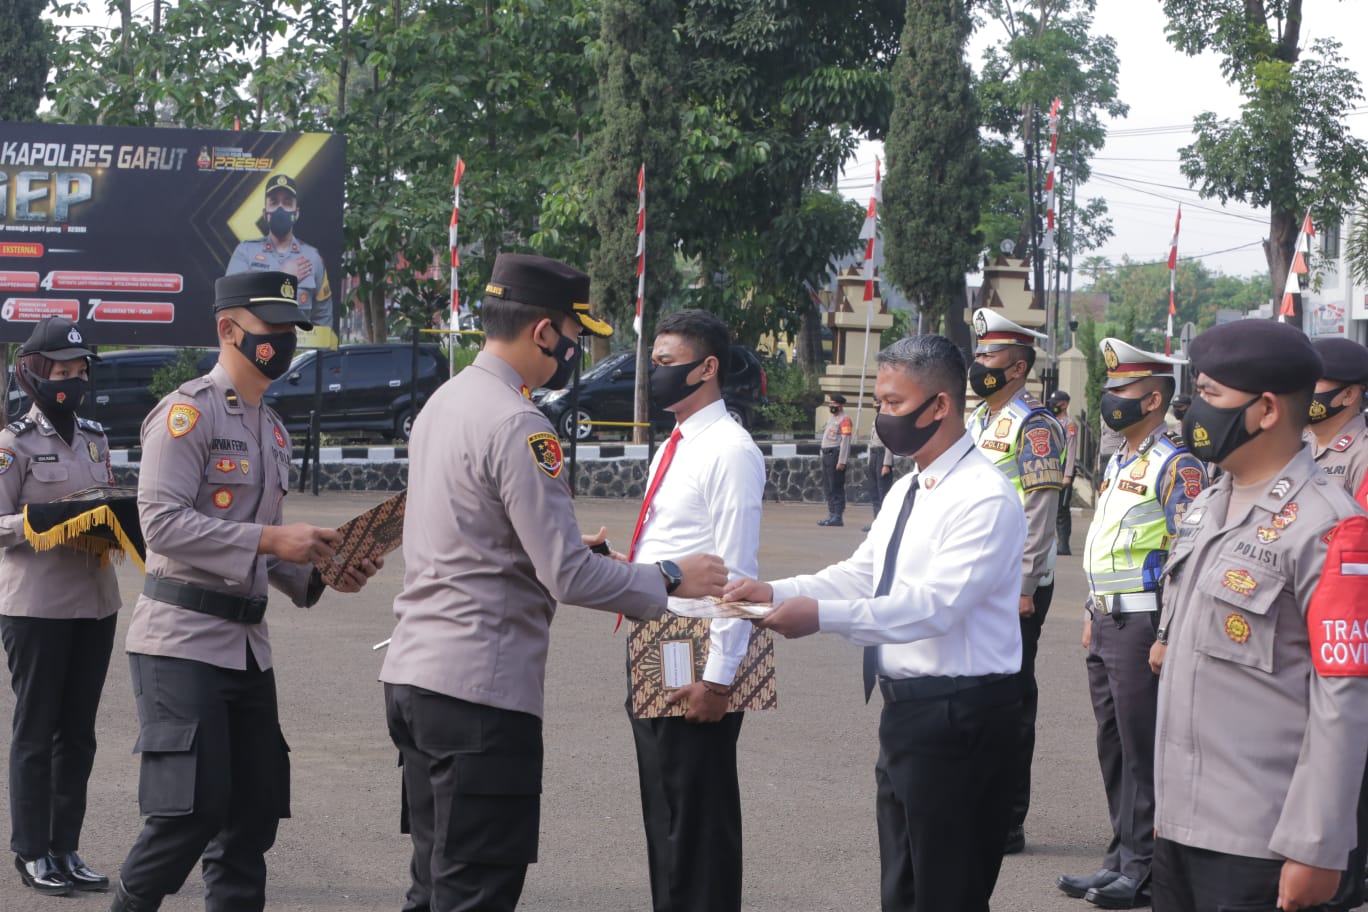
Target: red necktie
{"type": "Point", "coordinates": [666, 457]}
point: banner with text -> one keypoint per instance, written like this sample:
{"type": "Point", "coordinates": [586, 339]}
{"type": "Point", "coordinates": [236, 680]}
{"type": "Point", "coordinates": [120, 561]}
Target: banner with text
{"type": "Point", "coordinates": [125, 229]}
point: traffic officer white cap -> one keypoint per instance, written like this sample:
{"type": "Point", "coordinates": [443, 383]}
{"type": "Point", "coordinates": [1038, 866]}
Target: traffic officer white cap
{"type": "Point", "coordinates": [995, 331]}
{"type": "Point", "coordinates": [1126, 363]}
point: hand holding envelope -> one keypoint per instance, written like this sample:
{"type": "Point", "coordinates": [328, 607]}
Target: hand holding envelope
{"type": "Point", "coordinates": [792, 618]}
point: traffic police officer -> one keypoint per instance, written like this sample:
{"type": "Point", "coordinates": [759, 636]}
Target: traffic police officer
{"type": "Point", "coordinates": [1263, 698]}
{"type": "Point", "coordinates": [1141, 498]}
{"type": "Point", "coordinates": [57, 613]}
{"type": "Point", "coordinates": [279, 250]}
{"type": "Point", "coordinates": [490, 546]}
{"type": "Point", "coordinates": [835, 454]}
{"type": "Point", "coordinates": [1339, 430]}
{"type": "Point", "coordinates": [1059, 407]}
{"type": "Point", "coordinates": [214, 474]}
{"type": "Point", "coordinates": [1018, 434]}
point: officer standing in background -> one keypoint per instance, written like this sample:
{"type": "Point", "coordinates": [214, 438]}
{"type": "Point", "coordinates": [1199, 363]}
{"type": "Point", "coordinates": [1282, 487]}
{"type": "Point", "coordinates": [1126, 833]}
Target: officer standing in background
{"type": "Point", "coordinates": [281, 251]}
{"type": "Point", "coordinates": [1263, 701]}
{"type": "Point", "coordinates": [57, 613]}
{"type": "Point", "coordinates": [1141, 499]}
{"type": "Point", "coordinates": [1059, 407]}
{"type": "Point", "coordinates": [211, 489]}
{"type": "Point", "coordinates": [835, 454]}
{"type": "Point", "coordinates": [490, 546]}
{"type": "Point", "coordinates": [1339, 431]}
{"type": "Point", "coordinates": [1023, 440]}
{"type": "Point", "coordinates": [879, 466]}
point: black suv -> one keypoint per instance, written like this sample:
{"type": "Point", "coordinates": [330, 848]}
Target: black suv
{"type": "Point", "coordinates": [606, 391]}
{"type": "Point", "coordinates": [365, 388]}
{"type": "Point", "coordinates": [121, 400]}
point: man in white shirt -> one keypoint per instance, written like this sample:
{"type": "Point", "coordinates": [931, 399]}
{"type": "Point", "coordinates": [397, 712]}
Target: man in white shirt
{"type": "Point", "coordinates": [706, 485]}
{"type": "Point", "coordinates": [932, 594]}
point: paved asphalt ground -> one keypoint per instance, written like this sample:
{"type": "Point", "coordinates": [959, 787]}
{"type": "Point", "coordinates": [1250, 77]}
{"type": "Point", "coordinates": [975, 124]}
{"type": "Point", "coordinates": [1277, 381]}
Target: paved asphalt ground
{"type": "Point", "coordinates": [806, 769]}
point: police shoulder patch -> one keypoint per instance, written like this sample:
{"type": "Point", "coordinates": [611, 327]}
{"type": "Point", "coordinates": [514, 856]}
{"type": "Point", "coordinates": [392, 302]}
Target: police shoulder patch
{"type": "Point", "coordinates": [6, 460]}
{"type": "Point", "coordinates": [181, 419]}
{"type": "Point", "coordinates": [546, 452]}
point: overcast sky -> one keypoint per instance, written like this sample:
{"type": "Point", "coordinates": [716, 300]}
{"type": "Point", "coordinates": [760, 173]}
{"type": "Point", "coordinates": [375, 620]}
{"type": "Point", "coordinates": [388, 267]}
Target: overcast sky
{"type": "Point", "coordinates": [1165, 89]}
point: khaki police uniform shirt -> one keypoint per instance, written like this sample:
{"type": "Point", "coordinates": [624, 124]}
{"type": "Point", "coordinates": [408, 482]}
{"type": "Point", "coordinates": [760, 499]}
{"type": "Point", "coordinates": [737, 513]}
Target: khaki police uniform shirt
{"type": "Point", "coordinates": [1345, 460]}
{"type": "Point", "coordinates": [1070, 427]}
{"type": "Point", "coordinates": [836, 434]}
{"type": "Point", "coordinates": [38, 466]}
{"type": "Point", "coordinates": [1257, 754]}
{"type": "Point", "coordinates": [876, 444]}
{"type": "Point", "coordinates": [214, 472]}
{"type": "Point", "coordinates": [264, 254]}
{"type": "Point", "coordinates": [491, 545]}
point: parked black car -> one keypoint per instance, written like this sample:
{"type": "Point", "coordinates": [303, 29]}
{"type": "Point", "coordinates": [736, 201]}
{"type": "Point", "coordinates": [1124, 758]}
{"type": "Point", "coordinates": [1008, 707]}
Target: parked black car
{"type": "Point", "coordinates": [121, 399]}
{"type": "Point", "coordinates": [607, 388]}
{"type": "Point", "coordinates": [365, 388]}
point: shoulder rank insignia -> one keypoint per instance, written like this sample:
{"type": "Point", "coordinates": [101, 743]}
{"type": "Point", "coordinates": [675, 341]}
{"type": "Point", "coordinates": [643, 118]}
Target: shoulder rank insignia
{"type": "Point", "coordinates": [21, 426]}
{"type": "Point", "coordinates": [546, 452]}
{"type": "Point", "coordinates": [1281, 487]}
{"type": "Point", "coordinates": [90, 425]}
{"type": "Point", "coordinates": [181, 419]}
{"type": "Point", "coordinates": [1339, 446]}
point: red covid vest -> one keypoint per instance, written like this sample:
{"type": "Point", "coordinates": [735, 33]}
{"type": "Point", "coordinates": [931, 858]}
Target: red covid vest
{"type": "Point", "coordinates": [1338, 616]}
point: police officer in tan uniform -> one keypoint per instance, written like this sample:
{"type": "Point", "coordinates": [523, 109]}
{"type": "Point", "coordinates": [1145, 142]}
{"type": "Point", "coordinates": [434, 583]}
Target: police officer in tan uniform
{"type": "Point", "coordinates": [57, 613]}
{"type": "Point", "coordinates": [214, 474]}
{"type": "Point", "coordinates": [1263, 700]}
{"type": "Point", "coordinates": [835, 449]}
{"type": "Point", "coordinates": [1059, 407]}
{"type": "Point", "coordinates": [280, 250]}
{"type": "Point", "coordinates": [490, 546]}
{"type": "Point", "coordinates": [1339, 430]}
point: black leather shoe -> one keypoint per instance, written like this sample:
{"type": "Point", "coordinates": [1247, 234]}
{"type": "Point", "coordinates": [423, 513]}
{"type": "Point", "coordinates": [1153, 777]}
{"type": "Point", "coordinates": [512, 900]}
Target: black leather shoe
{"type": "Point", "coordinates": [81, 877]}
{"type": "Point", "coordinates": [1122, 893]}
{"type": "Point", "coordinates": [127, 902]}
{"type": "Point", "coordinates": [1077, 887]}
{"type": "Point", "coordinates": [1016, 841]}
{"type": "Point", "coordinates": [830, 521]}
{"type": "Point", "coordinates": [43, 876]}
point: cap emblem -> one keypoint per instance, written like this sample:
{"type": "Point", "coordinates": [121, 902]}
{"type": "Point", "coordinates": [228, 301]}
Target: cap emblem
{"type": "Point", "coordinates": [74, 336]}
{"type": "Point", "coordinates": [281, 181]}
{"type": "Point", "coordinates": [1109, 356]}
{"type": "Point", "coordinates": [287, 290]}
{"type": "Point", "coordinates": [497, 291]}
{"type": "Point", "coordinates": [980, 323]}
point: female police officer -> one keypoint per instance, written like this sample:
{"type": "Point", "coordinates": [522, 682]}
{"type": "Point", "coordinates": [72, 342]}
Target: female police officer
{"type": "Point", "coordinates": [57, 613]}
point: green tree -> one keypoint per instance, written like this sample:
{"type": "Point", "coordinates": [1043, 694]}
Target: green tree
{"type": "Point", "coordinates": [24, 47]}
{"type": "Point", "coordinates": [1289, 148]}
{"type": "Point", "coordinates": [933, 154]}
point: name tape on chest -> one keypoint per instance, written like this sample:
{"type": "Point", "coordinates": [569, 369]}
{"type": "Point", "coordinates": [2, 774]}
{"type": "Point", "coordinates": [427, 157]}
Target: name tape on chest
{"type": "Point", "coordinates": [1337, 619]}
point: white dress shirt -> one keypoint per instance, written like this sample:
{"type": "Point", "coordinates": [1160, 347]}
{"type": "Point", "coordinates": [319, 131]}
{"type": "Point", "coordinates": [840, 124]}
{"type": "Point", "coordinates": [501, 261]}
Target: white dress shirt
{"type": "Point", "coordinates": [953, 605]}
{"type": "Point", "coordinates": [709, 502]}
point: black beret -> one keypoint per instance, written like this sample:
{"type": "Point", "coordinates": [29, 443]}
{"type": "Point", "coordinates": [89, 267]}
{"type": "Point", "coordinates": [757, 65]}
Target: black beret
{"type": "Point", "coordinates": [539, 281]}
{"type": "Point", "coordinates": [1256, 356]}
{"type": "Point", "coordinates": [271, 296]}
{"type": "Point", "coordinates": [56, 338]}
{"type": "Point", "coordinates": [1344, 359]}
{"type": "Point", "coordinates": [281, 182]}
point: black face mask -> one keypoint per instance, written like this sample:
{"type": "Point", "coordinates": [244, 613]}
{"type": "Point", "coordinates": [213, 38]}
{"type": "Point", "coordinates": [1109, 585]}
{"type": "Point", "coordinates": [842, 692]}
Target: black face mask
{"type": "Point", "coordinates": [1321, 409]}
{"type": "Point", "coordinates": [834, 409]}
{"type": "Point", "coordinates": [280, 221]}
{"type": "Point", "coordinates": [269, 353]}
{"type": "Point", "coordinates": [563, 354]}
{"type": "Point", "coordinates": [1120, 413]}
{"type": "Point", "coordinates": [670, 383]}
{"type": "Point", "coordinates": [987, 380]}
{"type": "Point", "coordinates": [1213, 433]}
{"type": "Point", "coordinates": [59, 397]}
{"type": "Point", "coordinates": [900, 432]}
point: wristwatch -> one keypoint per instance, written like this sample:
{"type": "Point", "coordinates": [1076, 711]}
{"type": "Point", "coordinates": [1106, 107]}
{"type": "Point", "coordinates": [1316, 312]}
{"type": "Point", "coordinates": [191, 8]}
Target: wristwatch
{"type": "Point", "coordinates": [673, 575]}
{"type": "Point", "coordinates": [1161, 636]}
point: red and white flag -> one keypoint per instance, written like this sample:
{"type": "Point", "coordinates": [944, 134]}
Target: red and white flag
{"type": "Point", "coordinates": [452, 234]}
{"type": "Point", "coordinates": [1299, 267]}
{"type": "Point", "coordinates": [869, 232]}
{"type": "Point", "coordinates": [641, 247]}
{"type": "Point", "coordinates": [1049, 243]}
{"type": "Point", "coordinates": [1173, 275]}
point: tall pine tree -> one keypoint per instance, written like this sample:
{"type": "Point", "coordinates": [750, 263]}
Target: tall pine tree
{"type": "Point", "coordinates": [24, 43]}
{"type": "Point", "coordinates": [936, 181]}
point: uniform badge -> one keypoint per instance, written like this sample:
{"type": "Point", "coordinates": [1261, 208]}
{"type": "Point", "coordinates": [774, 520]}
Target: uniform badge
{"type": "Point", "coordinates": [1039, 439]}
{"type": "Point", "coordinates": [223, 498]}
{"type": "Point", "coordinates": [546, 452]}
{"type": "Point", "coordinates": [1132, 487]}
{"type": "Point", "coordinates": [1139, 469]}
{"type": "Point", "coordinates": [93, 450]}
{"type": "Point", "coordinates": [1201, 437]}
{"type": "Point", "coordinates": [1267, 534]}
{"type": "Point", "coordinates": [265, 352]}
{"type": "Point", "coordinates": [1237, 628]}
{"type": "Point", "coordinates": [1281, 487]}
{"type": "Point", "coordinates": [1239, 582]}
{"type": "Point", "coordinates": [989, 381]}
{"type": "Point", "coordinates": [1192, 481]}
{"type": "Point", "coordinates": [1072, 430]}
{"type": "Point", "coordinates": [1317, 410]}
{"type": "Point", "coordinates": [980, 324]}
{"type": "Point", "coordinates": [1194, 517]}
{"type": "Point", "coordinates": [226, 465]}
{"type": "Point", "coordinates": [1003, 427]}
{"type": "Point", "coordinates": [6, 460]}
{"type": "Point", "coordinates": [243, 466]}
{"type": "Point", "coordinates": [526, 393]}
{"type": "Point", "coordinates": [181, 419]}
{"type": "Point", "coordinates": [1286, 517]}
{"type": "Point", "coordinates": [1109, 356]}
{"type": "Point", "coordinates": [1339, 446]}
{"type": "Point", "coordinates": [279, 437]}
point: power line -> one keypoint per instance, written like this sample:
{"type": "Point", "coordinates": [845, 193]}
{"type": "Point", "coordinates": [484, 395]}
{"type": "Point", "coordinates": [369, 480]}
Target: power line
{"type": "Point", "coordinates": [1189, 203]}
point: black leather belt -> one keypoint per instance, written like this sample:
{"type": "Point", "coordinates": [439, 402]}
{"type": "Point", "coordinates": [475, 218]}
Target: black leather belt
{"type": "Point", "coordinates": [240, 609]}
{"type": "Point", "coordinates": [895, 690]}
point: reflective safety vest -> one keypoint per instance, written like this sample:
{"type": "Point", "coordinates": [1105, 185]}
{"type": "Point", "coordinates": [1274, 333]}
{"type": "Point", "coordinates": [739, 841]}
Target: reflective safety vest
{"type": "Point", "coordinates": [1129, 523]}
{"type": "Point", "coordinates": [1000, 438]}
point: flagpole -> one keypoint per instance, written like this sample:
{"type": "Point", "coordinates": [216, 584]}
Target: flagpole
{"type": "Point", "coordinates": [869, 233]}
{"type": "Point", "coordinates": [1173, 273]}
{"type": "Point", "coordinates": [637, 417]}
{"type": "Point", "coordinates": [452, 235]}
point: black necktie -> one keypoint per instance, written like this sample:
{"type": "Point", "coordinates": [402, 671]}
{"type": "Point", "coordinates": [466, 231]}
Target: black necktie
{"type": "Point", "coordinates": [890, 568]}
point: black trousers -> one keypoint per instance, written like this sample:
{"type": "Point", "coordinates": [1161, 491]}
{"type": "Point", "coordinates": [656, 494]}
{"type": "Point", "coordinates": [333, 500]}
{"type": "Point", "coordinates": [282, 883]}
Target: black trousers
{"type": "Point", "coordinates": [1187, 879]}
{"type": "Point", "coordinates": [57, 670]}
{"type": "Point", "coordinates": [472, 789]}
{"type": "Point", "coordinates": [943, 798]}
{"type": "Point", "coordinates": [833, 480]}
{"type": "Point", "coordinates": [214, 784]}
{"type": "Point", "coordinates": [691, 806]}
{"type": "Point", "coordinates": [1125, 696]}
{"type": "Point", "coordinates": [1030, 699]}
{"type": "Point", "coordinates": [1064, 519]}
{"type": "Point", "coordinates": [879, 483]}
